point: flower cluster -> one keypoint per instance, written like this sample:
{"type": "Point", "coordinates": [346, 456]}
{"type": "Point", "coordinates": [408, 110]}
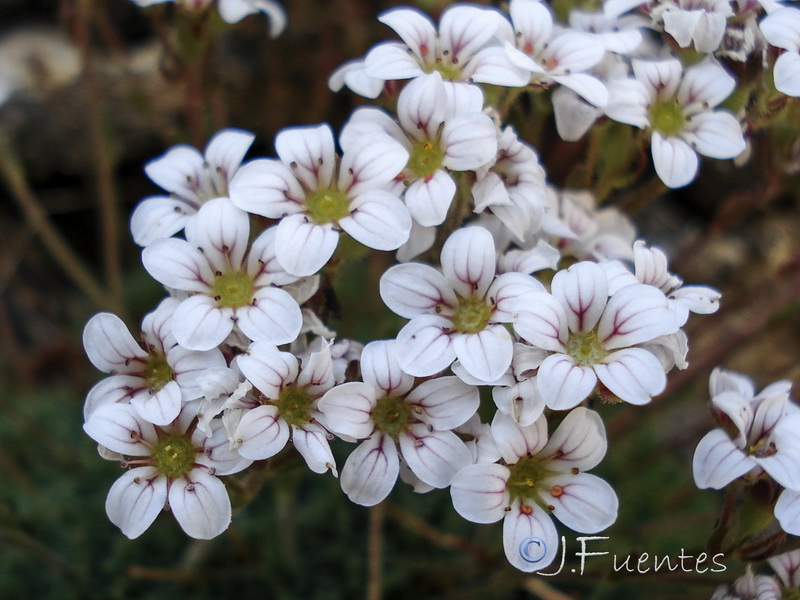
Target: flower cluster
{"type": "Point", "coordinates": [509, 284]}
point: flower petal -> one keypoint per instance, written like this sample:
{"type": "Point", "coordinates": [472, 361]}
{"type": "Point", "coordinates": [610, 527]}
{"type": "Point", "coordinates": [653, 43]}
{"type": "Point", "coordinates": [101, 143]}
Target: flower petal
{"type": "Point", "coordinates": [159, 217]}
{"type": "Point", "coordinates": [221, 232]}
{"type": "Point", "coordinates": [717, 461]}
{"type": "Point", "coordinates": [530, 539]}
{"type": "Point", "coordinates": [434, 456]}
{"type": "Point", "coordinates": [675, 162]}
{"type": "Point", "coordinates": [311, 441]}
{"type": "Point", "coordinates": [160, 408]}
{"type": "Point", "coordinates": [424, 347]}
{"type": "Point", "coordinates": [413, 289]}
{"type": "Point", "coordinates": [562, 383]}
{"type": "Point", "coordinates": [136, 499]}
{"type": "Point", "coordinates": [583, 290]}
{"type": "Point", "coordinates": [261, 433]}
{"type": "Point", "coordinates": [470, 141]}
{"type": "Point", "coordinates": [479, 492]}
{"type": "Point", "coordinates": [635, 314]}
{"type": "Point", "coordinates": [787, 511]}
{"type": "Point", "coordinates": [174, 263]}
{"type": "Point", "coordinates": [268, 368]}
{"type": "Point", "coordinates": [786, 73]}
{"type": "Point", "coordinates": [304, 247]}
{"type": "Point", "coordinates": [119, 428]}
{"type": "Point", "coordinates": [579, 442]}
{"type": "Point", "coordinates": [267, 188]}
{"type": "Point", "coordinates": [199, 324]}
{"type": "Point", "coordinates": [347, 409]}
{"type": "Point", "coordinates": [429, 199]}
{"type": "Point", "coordinates": [310, 152]}
{"type": "Point", "coordinates": [444, 403]}
{"type": "Point", "coordinates": [381, 370]}
{"type": "Point", "coordinates": [468, 261]}
{"type": "Point", "coordinates": [110, 346]}
{"type": "Point", "coordinates": [200, 504]}
{"type": "Point", "coordinates": [371, 470]}
{"type": "Point", "coordinates": [715, 134]}
{"type": "Point", "coordinates": [632, 374]}
{"type": "Point", "coordinates": [583, 502]}
{"type": "Point", "coordinates": [378, 220]}
{"type": "Point", "coordinates": [273, 317]}
{"type": "Point", "coordinates": [485, 355]}
{"type": "Point", "coordinates": [514, 440]}
{"type": "Point", "coordinates": [544, 324]}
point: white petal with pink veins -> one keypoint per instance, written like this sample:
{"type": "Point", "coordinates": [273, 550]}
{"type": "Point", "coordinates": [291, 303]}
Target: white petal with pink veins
{"type": "Point", "coordinates": [304, 247]}
{"type": "Point", "coordinates": [628, 100]}
{"type": "Point", "coordinates": [737, 409]}
{"type": "Point", "coordinates": [215, 450]}
{"type": "Point", "coordinates": [310, 152]}
{"type": "Point", "coordinates": [161, 407]}
{"type": "Point", "coordinates": [117, 388]}
{"type": "Point", "coordinates": [389, 61]}
{"type": "Point", "coordinates": [530, 539]}
{"type": "Point", "coordinates": [413, 289]}
{"type": "Point", "coordinates": [267, 188]}
{"type": "Point", "coordinates": [368, 122]}
{"type": "Point", "coordinates": [176, 264]}
{"type": "Point", "coordinates": [787, 511]}
{"type": "Point", "coordinates": [273, 316]}
{"type": "Point", "coordinates": [110, 346]}
{"type": "Point", "coordinates": [722, 380]}
{"type": "Point", "coordinates": [632, 374]}
{"type": "Point", "coordinates": [379, 220]}
{"type": "Point", "coordinates": [715, 134]}
{"type": "Point", "coordinates": [564, 384]}
{"type": "Point", "coordinates": [492, 65]}
{"type": "Point", "coordinates": [371, 470]}
{"type": "Point", "coordinates": [268, 368]}
{"type": "Point", "coordinates": [353, 75]}
{"type": "Point", "coordinates": [583, 502]}
{"type": "Point", "coordinates": [468, 261]}
{"type": "Point", "coordinates": [176, 170]}
{"type": "Point", "coordinates": [787, 568]}
{"type": "Point", "coordinates": [221, 232]}
{"type": "Point", "coordinates": [463, 30]}
{"type": "Point", "coordinates": [522, 401]}
{"type": "Point", "coordinates": [136, 499]}
{"type": "Point", "coordinates": [515, 441]}
{"type": "Point", "coordinates": [681, 24]}
{"type": "Point", "coordinates": [380, 369]}
{"type": "Point", "coordinates": [479, 492]}
{"type": "Point", "coordinates": [544, 323]}
{"type": "Point", "coordinates": [783, 465]}
{"type": "Point", "coordinates": [485, 355]}
{"type": "Point", "coordinates": [675, 162]}
{"type": "Point", "coordinates": [717, 461]}
{"type": "Point", "coordinates": [119, 428]}
{"type": "Point", "coordinates": [533, 21]}
{"type": "Point", "coordinates": [199, 324]}
{"type": "Point", "coordinates": [635, 314]}
{"type": "Point", "coordinates": [227, 149]}
{"type": "Point", "coordinates": [422, 107]}
{"type": "Point", "coordinates": [573, 52]}
{"type": "Point", "coordinates": [415, 28]}
{"type": "Point", "coordinates": [262, 433]}
{"type": "Point", "coordinates": [512, 293]}
{"type": "Point", "coordinates": [586, 86]}
{"type": "Point", "coordinates": [705, 85]}
{"type": "Point", "coordinates": [200, 504]}
{"type": "Point", "coordinates": [470, 141]}
{"type": "Point", "coordinates": [347, 409]}
{"type": "Point", "coordinates": [583, 291]}
{"type": "Point", "coordinates": [311, 442]}
{"type": "Point", "coordinates": [660, 77]}
{"type": "Point", "coordinates": [369, 163]}
{"type": "Point", "coordinates": [159, 217]}
{"type": "Point", "coordinates": [429, 199]}
{"type": "Point", "coordinates": [157, 325]}
{"type": "Point", "coordinates": [434, 456]}
{"type": "Point", "coordinates": [579, 442]}
{"type": "Point", "coordinates": [444, 403]}
{"type": "Point", "coordinates": [262, 263]}
{"type": "Point", "coordinates": [424, 347]}
{"type": "Point", "coordinates": [574, 116]}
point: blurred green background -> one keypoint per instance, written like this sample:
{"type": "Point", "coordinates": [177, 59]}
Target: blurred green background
{"type": "Point", "coordinates": [89, 98]}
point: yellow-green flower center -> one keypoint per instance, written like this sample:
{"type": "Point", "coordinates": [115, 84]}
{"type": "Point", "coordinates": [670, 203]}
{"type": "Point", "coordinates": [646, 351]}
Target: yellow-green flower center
{"type": "Point", "coordinates": [157, 372]}
{"type": "Point", "coordinates": [327, 206]}
{"type": "Point", "coordinates": [526, 479]}
{"type": "Point", "coordinates": [294, 405]}
{"type": "Point", "coordinates": [447, 70]}
{"type": "Point", "coordinates": [426, 158]}
{"type": "Point", "coordinates": [232, 290]}
{"type": "Point", "coordinates": [472, 315]}
{"type": "Point", "coordinates": [174, 456]}
{"type": "Point", "coordinates": [392, 415]}
{"type": "Point", "coordinates": [586, 349]}
{"type": "Point", "coordinates": [666, 117]}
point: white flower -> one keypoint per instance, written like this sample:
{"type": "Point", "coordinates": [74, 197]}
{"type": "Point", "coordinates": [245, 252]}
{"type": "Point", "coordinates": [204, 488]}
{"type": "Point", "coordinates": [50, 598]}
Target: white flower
{"type": "Point", "coordinates": [287, 405]}
{"type": "Point", "coordinates": [677, 107]}
{"type": "Point", "coordinates": [439, 136]}
{"type": "Point", "coordinates": [317, 195]}
{"type": "Point", "coordinates": [539, 478]}
{"type": "Point", "coordinates": [787, 568]}
{"type": "Point", "coordinates": [175, 465]}
{"type": "Point", "coordinates": [192, 179]}
{"type": "Point", "coordinates": [233, 11]}
{"type": "Point", "coordinates": [749, 587]}
{"type": "Point", "coordinates": [513, 186]}
{"type": "Point", "coordinates": [460, 51]}
{"type": "Point", "coordinates": [579, 229]}
{"type": "Point", "coordinates": [551, 55]}
{"type": "Point", "coordinates": [701, 22]}
{"type": "Point", "coordinates": [229, 283]}
{"type": "Point", "coordinates": [591, 336]}
{"type": "Point", "coordinates": [759, 435]}
{"type": "Point", "coordinates": [397, 420]}
{"type": "Point", "coordinates": [459, 312]}
{"type": "Point", "coordinates": [782, 29]}
{"type": "Point", "coordinates": [155, 375]}
{"type": "Point", "coordinates": [651, 268]}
